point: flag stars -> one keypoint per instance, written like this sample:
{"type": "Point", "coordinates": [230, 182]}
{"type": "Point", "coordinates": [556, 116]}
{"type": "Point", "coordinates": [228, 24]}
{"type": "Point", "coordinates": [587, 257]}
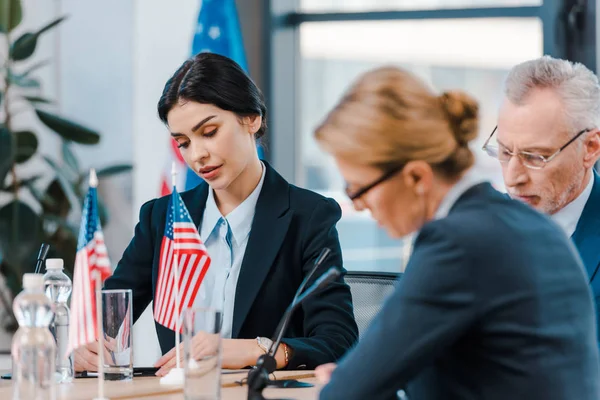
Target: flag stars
{"type": "Point", "coordinates": [214, 32]}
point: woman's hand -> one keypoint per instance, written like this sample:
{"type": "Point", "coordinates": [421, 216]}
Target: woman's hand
{"type": "Point", "coordinates": [323, 372]}
{"type": "Point", "coordinates": [236, 353]}
{"type": "Point", "coordinates": [85, 358]}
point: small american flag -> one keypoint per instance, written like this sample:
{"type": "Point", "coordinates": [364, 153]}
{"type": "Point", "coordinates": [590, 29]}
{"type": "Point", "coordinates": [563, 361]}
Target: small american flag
{"type": "Point", "coordinates": [91, 258]}
{"type": "Point", "coordinates": [180, 239]}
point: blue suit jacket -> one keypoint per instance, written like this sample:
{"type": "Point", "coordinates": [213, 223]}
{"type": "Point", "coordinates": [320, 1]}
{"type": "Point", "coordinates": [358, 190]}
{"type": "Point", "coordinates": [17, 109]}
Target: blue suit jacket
{"type": "Point", "coordinates": [587, 240]}
{"type": "Point", "coordinates": [494, 304]}
{"type": "Point", "coordinates": [290, 228]}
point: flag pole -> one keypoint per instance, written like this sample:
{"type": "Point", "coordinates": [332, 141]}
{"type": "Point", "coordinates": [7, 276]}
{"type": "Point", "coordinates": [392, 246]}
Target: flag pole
{"type": "Point", "coordinates": [100, 333]}
{"type": "Point", "coordinates": [176, 261]}
{"type": "Point", "coordinates": [99, 327]}
{"type": "Point", "coordinates": [175, 375]}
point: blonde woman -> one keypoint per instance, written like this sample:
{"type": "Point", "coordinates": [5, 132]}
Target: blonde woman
{"type": "Point", "coordinates": [494, 303]}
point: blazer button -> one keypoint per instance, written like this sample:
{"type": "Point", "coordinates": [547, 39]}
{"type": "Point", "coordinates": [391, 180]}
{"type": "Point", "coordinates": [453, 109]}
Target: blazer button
{"type": "Point", "coordinates": [301, 366]}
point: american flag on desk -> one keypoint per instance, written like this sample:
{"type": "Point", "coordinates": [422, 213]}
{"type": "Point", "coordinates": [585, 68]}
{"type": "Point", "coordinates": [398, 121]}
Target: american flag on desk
{"type": "Point", "coordinates": [91, 258]}
{"type": "Point", "coordinates": [181, 241]}
{"type": "Point", "coordinates": [217, 31]}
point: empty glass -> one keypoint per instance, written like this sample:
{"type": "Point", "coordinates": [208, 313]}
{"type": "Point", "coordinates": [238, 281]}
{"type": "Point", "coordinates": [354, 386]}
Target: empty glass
{"type": "Point", "coordinates": [118, 320]}
{"type": "Point", "coordinates": [202, 353]}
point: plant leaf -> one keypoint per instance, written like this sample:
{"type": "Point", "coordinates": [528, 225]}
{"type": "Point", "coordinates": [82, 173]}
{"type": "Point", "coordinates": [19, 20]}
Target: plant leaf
{"type": "Point", "coordinates": [102, 211]}
{"type": "Point", "coordinates": [30, 181]}
{"type": "Point", "coordinates": [25, 45]}
{"type": "Point", "coordinates": [113, 170]}
{"type": "Point", "coordinates": [66, 186]}
{"type": "Point", "coordinates": [46, 201]}
{"type": "Point", "coordinates": [51, 25]}
{"type": "Point", "coordinates": [23, 81]}
{"type": "Point", "coordinates": [67, 129]}
{"type": "Point", "coordinates": [70, 158]}
{"type": "Point", "coordinates": [11, 18]}
{"type": "Point", "coordinates": [37, 99]}
{"type": "Point", "coordinates": [62, 222]}
{"type": "Point", "coordinates": [27, 144]}
{"type": "Point", "coordinates": [20, 235]}
{"type": "Point", "coordinates": [35, 66]}
{"type": "Point", "coordinates": [6, 156]}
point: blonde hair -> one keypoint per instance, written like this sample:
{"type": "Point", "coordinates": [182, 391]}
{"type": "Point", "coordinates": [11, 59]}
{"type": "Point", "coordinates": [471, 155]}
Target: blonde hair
{"type": "Point", "coordinates": [389, 117]}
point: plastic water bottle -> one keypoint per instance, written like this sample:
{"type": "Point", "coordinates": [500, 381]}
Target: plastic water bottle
{"type": "Point", "coordinates": [33, 348]}
{"type": "Point", "coordinates": [58, 289]}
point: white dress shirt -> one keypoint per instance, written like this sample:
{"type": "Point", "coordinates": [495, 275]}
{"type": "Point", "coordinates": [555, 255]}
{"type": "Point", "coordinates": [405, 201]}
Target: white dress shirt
{"type": "Point", "coordinates": [568, 216]}
{"type": "Point", "coordinates": [226, 238]}
{"type": "Point", "coordinates": [469, 179]}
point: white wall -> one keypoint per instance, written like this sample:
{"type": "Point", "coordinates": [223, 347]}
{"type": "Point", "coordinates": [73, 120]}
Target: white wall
{"type": "Point", "coordinates": [95, 69]}
{"type": "Point", "coordinates": [161, 42]}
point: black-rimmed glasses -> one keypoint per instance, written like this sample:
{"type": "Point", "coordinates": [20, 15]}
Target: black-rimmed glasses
{"type": "Point", "coordinates": [528, 159]}
{"type": "Point", "coordinates": [355, 194]}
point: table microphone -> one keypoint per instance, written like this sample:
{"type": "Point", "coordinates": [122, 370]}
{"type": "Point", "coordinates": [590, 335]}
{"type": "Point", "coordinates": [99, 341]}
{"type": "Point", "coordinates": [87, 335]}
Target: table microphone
{"type": "Point", "coordinates": [41, 257]}
{"type": "Point", "coordinates": [258, 377]}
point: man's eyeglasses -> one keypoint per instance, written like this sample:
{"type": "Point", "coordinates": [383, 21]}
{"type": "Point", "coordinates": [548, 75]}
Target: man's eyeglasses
{"type": "Point", "coordinates": [355, 194]}
{"type": "Point", "coordinates": [529, 160]}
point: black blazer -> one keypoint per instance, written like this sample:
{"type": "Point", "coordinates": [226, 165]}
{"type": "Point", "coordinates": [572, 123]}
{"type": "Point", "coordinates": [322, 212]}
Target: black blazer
{"type": "Point", "coordinates": [494, 304]}
{"type": "Point", "coordinates": [290, 228]}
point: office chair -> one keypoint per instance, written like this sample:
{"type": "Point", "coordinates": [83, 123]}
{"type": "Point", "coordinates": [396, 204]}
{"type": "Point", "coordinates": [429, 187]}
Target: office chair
{"type": "Point", "coordinates": [369, 292]}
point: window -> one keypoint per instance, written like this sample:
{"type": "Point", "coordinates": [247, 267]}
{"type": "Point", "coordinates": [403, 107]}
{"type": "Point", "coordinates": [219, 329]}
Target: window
{"type": "Point", "coordinates": [320, 50]}
{"type": "Point", "coordinates": [372, 5]}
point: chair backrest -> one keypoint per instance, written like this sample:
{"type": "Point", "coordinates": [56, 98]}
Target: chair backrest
{"type": "Point", "coordinates": [369, 291]}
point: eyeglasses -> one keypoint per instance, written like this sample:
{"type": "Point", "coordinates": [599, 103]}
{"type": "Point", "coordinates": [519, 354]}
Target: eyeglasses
{"type": "Point", "coordinates": [355, 194]}
{"type": "Point", "coordinates": [529, 160]}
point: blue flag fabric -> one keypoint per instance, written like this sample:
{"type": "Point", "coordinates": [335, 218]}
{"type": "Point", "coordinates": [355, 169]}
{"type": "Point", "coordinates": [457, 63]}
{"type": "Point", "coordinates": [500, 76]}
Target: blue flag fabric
{"type": "Point", "coordinates": [218, 31]}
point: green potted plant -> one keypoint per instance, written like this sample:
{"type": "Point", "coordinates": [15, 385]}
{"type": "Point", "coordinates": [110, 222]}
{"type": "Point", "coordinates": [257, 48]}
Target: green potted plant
{"type": "Point", "coordinates": [31, 211]}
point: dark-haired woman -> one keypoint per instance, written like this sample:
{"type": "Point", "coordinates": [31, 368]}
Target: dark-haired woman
{"type": "Point", "coordinates": [263, 234]}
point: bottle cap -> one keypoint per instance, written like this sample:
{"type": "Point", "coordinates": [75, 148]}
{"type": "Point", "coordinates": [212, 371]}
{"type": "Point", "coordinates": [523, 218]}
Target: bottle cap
{"type": "Point", "coordinates": [54, 264]}
{"type": "Point", "coordinates": [33, 281]}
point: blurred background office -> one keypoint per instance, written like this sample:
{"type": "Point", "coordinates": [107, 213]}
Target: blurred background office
{"type": "Point", "coordinates": [108, 61]}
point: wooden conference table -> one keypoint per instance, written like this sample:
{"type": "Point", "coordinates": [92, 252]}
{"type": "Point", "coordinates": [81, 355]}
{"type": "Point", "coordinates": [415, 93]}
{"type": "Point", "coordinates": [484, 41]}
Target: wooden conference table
{"type": "Point", "coordinates": [149, 388]}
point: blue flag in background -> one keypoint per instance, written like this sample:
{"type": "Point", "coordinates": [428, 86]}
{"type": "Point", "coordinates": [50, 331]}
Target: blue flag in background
{"type": "Point", "coordinates": [218, 31]}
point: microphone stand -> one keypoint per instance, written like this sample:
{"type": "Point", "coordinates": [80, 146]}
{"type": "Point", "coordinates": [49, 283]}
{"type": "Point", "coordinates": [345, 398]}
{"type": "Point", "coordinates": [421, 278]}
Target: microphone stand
{"type": "Point", "coordinates": [258, 377]}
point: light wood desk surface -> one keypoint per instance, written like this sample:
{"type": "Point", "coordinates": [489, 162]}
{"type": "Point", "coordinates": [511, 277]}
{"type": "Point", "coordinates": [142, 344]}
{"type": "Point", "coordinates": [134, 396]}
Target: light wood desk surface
{"type": "Point", "coordinates": [149, 388]}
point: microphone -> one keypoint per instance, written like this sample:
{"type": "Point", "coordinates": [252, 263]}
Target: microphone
{"type": "Point", "coordinates": [331, 274]}
{"type": "Point", "coordinates": [41, 257]}
{"type": "Point", "coordinates": [322, 256]}
{"type": "Point", "coordinates": [258, 377]}
{"type": "Point", "coordinates": [319, 260]}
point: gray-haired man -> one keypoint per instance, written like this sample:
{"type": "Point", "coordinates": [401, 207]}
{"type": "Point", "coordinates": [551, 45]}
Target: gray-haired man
{"type": "Point", "coordinates": [548, 141]}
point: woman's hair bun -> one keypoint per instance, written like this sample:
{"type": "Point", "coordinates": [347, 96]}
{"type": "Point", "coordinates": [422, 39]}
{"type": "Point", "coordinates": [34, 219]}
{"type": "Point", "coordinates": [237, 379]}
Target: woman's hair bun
{"type": "Point", "coordinates": [462, 111]}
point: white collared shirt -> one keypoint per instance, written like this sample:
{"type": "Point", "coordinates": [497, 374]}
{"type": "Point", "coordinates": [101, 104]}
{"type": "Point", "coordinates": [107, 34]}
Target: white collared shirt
{"type": "Point", "coordinates": [226, 239]}
{"type": "Point", "coordinates": [568, 216]}
{"type": "Point", "coordinates": [469, 179]}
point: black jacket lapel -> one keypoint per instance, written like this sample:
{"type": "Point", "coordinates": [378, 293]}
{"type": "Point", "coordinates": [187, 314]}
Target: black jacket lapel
{"type": "Point", "coordinates": [269, 228]}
